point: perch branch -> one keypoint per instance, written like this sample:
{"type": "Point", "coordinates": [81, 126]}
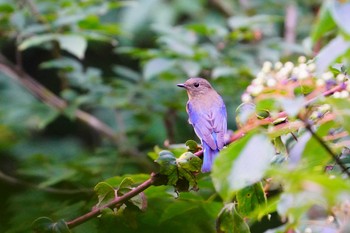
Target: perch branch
{"type": "Point", "coordinates": [118, 200]}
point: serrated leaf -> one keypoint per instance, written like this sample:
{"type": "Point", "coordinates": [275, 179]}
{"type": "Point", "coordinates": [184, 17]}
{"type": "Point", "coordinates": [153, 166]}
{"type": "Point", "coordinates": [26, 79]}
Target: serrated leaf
{"type": "Point", "coordinates": [250, 198]}
{"type": "Point", "coordinates": [125, 186]}
{"type": "Point", "coordinates": [140, 201]}
{"type": "Point", "coordinates": [46, 225]}
{"type": "Point", "coordinates": [189, 162]}
{"type": "Point", "coordinates": [168, 166]}
{"type": "Point", "coordinates": [242, 164]}
{"type": "Point", "coordinates": [167, 162]}
{"type": "Point", "coordinates": [192, 146]}
{"type": "Point", "coordinates": [229, 221]}
{"type": "Point", "coordinates": [105, 193]}
{"type": "Point", "coordinates": [187, 180]}
{"type": "Point", "coordinates": [116, 180]}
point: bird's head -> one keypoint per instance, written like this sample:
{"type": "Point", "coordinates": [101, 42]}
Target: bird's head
{"type": "Point", "coordinates": [196, 87]}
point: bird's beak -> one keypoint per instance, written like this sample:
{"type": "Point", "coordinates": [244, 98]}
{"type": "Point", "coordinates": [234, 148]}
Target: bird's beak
{"type": "Point", "coordinates": [181, 85]}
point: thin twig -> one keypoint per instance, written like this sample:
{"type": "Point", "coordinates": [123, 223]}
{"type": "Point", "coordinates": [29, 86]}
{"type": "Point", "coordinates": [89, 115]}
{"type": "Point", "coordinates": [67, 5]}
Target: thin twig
{"type": "Point", "coordinates": [118, 200]}
{"type": "Point", "coordinates": [52, 100]}
{"type": "Point", "coordinates": [328, 149]}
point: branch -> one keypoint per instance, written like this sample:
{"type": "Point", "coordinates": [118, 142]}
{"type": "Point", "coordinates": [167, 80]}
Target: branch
{"type": "Point", "coordinates": [52, 100]}
{"type": "Point", "coordinates": [247, 128]}
{"type": "Point", "coordinates": [328, 149]}
{"type": "Point", "coordinates": [155, 179]}
{"type": "Point", "coordinates": [49, 98]}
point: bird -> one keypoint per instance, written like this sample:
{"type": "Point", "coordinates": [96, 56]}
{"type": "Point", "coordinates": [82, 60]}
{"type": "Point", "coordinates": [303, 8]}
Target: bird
{"type": "Point", "coordinates": [207, 114]}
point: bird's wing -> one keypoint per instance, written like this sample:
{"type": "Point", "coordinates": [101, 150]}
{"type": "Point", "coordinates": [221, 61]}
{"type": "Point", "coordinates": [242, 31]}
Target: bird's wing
{"type": "Point", "coordinates": [209, 124]}
{"type": "Point", "coordinates": [220, 125]}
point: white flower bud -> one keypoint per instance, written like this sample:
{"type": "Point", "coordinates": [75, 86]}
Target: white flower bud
{"type": "Point", "coordinates": [327, 76]}
{"type": "Point", "coordinates": [278, 65]}
{"type": "Point", "coordinates": [289, 65]}
{"type": "Point", "coordinates": [320, 82]}
{"type": "Point", "coordinates": [302, 59]}
{"type": "Point", "coordinates": [344, 94]}
{"type": "Point", "coordinates": [266, 67]}
{"type": "Point", "coordinates": [271, 82]}
{"type": "Point", "coordinates": [340, 77]}
{"type": "Point", "coordinates": [311, 67]}
{"type": "Point", "coordinates": [246, 98]}
{"type": "Point", "coordinates": [303, 74]}
{"type": "Point", "coordinates": [336, 94]}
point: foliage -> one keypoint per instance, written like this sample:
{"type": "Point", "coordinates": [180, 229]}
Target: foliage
{"type": "Point", "coordinates": [88, 90]}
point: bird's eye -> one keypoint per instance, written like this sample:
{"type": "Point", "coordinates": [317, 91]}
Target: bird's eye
{"type": "Point", "coordinates": [196, 84]}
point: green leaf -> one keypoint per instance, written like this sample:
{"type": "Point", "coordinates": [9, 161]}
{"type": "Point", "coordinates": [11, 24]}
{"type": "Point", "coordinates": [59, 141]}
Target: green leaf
{"type": "Point", "coordinates": [125, 186]}
{"type": "Point", "coordinates": [105, 193]}
{"type": "Point", "coordinates": [250, 198]}
{"type": "Point", "coordinates": [156, 66]}
{"type": "Point", "coordinates": [341, 110]}
{"type": "Point", "coordinates": [168, 166]}
{"type": "Point", "coordinates": [189, 162]}
{"type": "Point", "coordinates": [242, 164]}
{"type": "Point", "coordinates": [46, 225]}
{"type": "Point", "coordinates": [59, 173]}
{"type": "Point", "coordinates": [229, 221]}
{"type": "Point", "coordinates": [117, 180]}
{"type": "Point", "coordinates": [176, 209]}
{"type": "Point", "coordinates": [36, 40]}
{"type": "Point", "coordinates": [167, 162]}
{"type": "Point", "coordinates": [283, 127]}
{"type": "Point", "coordinates": [192, 146]}
{"type": "Point", "coordinates": [73, 44]}
{"type": "Point", "coordinates": [325, 23]}
{"type": "Point", "coordinates": [280, 146]}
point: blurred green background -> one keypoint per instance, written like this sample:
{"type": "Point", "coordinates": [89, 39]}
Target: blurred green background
{"type": "Point", "coordinates": [120, 61]}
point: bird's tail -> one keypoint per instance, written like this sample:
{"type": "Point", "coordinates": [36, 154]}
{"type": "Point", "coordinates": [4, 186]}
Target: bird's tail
{"type": "Point", "coordinates": [208, 157]}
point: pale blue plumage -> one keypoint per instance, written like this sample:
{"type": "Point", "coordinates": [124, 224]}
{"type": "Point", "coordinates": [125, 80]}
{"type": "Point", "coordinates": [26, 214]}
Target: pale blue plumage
{"type": "Point", "coordinates": [207, 114]}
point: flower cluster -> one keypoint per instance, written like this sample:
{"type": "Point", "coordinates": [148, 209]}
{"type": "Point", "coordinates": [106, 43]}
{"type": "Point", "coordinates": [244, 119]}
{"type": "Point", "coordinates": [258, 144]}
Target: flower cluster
{"type": "Point", "coordinates": [288, 76]}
